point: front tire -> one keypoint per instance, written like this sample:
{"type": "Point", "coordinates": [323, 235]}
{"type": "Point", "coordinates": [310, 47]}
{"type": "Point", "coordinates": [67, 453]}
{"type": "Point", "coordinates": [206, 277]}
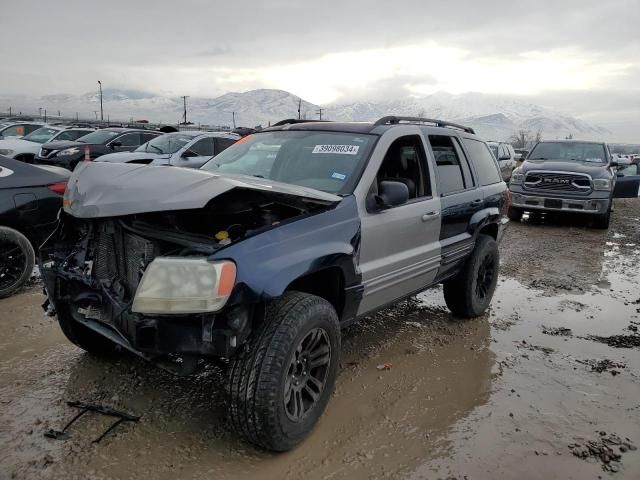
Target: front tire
{"type": "Point", "coordinates": [469, 293]}
{"type": "Point", "coordinates": [17, 259]}
{"type": "Point", "coordinates": [515, 214]}
{"type": "Point", "coordinates": [281, 380]}
{"type": "Point", "coordinates": [603, 221]}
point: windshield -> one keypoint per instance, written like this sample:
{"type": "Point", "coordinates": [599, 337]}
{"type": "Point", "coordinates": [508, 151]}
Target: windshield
{"type": "Point", "coordinates": [166, 144]}
{"type": "Point", "coordinates": [327, 161]}
{"type": "Point", "coordinates": [569, 152]}
{"type": "Point", "coordinates": [99, 137]}
{"type": "Point", "coordinates": [41, 135]}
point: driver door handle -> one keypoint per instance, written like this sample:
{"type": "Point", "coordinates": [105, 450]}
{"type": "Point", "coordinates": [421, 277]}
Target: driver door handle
{"type": "Point", "coordinates": [430, 215]}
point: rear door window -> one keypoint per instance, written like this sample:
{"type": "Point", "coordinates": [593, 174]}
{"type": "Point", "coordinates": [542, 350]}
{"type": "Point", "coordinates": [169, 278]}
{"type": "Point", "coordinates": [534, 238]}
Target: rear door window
{"type": "Point", "coordinates": [453, 173]}
{"type": "Point", "coordinates": [203, 147]}
{"type": "Point", "coordinates": [486, 168]}
{"type": "Point", "coordinates": [222, 144]}
{"type": "Point", "coordinates": [129, 139]}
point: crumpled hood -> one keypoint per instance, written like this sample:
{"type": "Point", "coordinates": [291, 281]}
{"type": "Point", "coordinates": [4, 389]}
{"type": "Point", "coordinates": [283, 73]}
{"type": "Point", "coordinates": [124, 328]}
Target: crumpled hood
{"type": "Point", "coordinates": [124, 157]}
{"type": "Point", "coordinates": [596, 170]}
{"type": "Point", "coordinates": [104, 189]}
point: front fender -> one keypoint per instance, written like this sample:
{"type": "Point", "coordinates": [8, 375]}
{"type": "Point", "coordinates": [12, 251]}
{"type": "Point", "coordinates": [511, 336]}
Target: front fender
{"type": "Point", "coordinates": [267, 263]}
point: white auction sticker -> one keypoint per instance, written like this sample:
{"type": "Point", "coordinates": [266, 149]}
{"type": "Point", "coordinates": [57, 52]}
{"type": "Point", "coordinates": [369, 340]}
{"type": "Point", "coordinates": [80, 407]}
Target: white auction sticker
{"type": "Point", "coordinates": [337, 149]}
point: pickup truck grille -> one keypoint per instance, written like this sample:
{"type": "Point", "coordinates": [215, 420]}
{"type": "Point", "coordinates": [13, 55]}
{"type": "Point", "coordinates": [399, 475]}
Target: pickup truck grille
{"type": "Point", "coordinates": [558, 182]}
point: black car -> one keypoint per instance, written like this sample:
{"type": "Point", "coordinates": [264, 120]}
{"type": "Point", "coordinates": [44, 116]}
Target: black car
{"type": "Point", "coordinates": [100, 142]}
{"type": "Point", "coordinates": [30, 198]}
{"type": "Point", "coordinates": [262, 256]}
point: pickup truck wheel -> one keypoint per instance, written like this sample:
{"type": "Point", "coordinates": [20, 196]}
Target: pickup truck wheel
{"type": "Point", "coordinates": [515, 214]}
{"type": "Point", "coordinates": [16, 260]}
{"type": "Point", "coordinates": [82, 336]}
{"type": "Point", "coordinates": [280, 382]}
{"type": "Point", "coordinates": [469, 293]}
{"type": "Point", "coordinates": [602, 221]}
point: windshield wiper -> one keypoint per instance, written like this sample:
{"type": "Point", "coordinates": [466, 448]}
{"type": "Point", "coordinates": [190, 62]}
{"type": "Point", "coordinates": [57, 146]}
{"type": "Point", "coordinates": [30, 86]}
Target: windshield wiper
{"type": "Point", "coordinates": [157, 148]}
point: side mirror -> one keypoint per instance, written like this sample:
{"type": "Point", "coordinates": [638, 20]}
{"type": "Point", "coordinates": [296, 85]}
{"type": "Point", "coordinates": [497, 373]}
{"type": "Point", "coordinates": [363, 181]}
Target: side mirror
{"type": "Point", "coordinates": [614, 164]}
{"type": "Point", "coordinates": [115, 144]}
{"type": "Point", "coordinates": [391, 194]}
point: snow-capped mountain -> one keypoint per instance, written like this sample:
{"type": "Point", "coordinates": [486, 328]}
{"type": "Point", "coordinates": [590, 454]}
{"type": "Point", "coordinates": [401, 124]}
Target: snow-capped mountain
{"type": "Point", "coordinates": [492, 116]}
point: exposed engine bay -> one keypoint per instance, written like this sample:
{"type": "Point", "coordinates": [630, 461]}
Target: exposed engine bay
{"type": "Point", "coordinates": [93, 267]}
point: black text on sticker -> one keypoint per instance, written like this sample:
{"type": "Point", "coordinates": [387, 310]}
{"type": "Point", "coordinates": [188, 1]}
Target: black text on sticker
{"type": "Point", "coordinates": [339, 149]}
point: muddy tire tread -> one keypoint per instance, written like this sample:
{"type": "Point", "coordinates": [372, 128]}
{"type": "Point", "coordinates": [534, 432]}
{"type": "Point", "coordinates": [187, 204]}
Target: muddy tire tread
{"type": "Point", "coordinates": [28, 250]}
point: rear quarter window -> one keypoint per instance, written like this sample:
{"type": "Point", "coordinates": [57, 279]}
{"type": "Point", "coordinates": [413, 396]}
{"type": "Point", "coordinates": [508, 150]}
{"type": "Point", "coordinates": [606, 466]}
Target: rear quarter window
{"type": "Point", "coordinates": [485, 165]}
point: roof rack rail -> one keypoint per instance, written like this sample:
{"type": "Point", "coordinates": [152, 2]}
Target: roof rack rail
{"type": "Point", "coordinates": [291, 121]}
{"type": "Point", "coordinates": [395, 120]}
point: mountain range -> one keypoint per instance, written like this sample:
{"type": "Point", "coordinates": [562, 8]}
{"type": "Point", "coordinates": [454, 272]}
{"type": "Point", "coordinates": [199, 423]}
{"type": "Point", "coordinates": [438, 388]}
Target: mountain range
{"type": "Point", "coordinates": [492, 116]}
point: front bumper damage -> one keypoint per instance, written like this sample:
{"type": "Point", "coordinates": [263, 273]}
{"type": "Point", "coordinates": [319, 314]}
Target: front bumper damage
{"type": "Point", "coordinates": [92, 275]}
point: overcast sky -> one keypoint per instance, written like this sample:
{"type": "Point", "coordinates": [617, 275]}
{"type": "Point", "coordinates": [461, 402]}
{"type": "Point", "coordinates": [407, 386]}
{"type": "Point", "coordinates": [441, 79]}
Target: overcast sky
{"type": "Point", "coordinates": [582, 56]}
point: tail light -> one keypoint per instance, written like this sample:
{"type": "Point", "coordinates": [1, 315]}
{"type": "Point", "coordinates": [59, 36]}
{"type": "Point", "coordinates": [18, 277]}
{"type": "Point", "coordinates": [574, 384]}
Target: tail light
{"type": "Point", "coordinates": [59, 187]}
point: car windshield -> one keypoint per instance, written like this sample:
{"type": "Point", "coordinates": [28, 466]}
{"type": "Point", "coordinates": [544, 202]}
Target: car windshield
{"type": "Point", "coordinates": [569, 152]}
{"type": "Point", "coordinates": [166, 144]}
{"type": "Point", "coordinates": [99, 137]}
{"type": "Point", "coordinates": [327, 161]}
{"type": "Point", "coordinates": [41, 135]}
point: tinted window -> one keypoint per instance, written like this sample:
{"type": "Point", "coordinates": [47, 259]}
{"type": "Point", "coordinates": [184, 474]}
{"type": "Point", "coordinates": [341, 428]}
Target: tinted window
{"type": "Point", "coordinates": [405, 162]}
{"type": "Point", "coordinates": [223, 143]}
{"type": "Point", "coordinates": [485, 165]}
{"type": "Point", "coordinates": [148, 136]}
{"type": "Point", "coordinates": [450, 170]}
{"type": "Point", "coordinates": [14, 131]}
{"type": "Point", "coordinates": [203, 147]}
{"type": "Point", "coordinates": [129, 140]}
{"type": "Point", "coordinates": [165, 144]}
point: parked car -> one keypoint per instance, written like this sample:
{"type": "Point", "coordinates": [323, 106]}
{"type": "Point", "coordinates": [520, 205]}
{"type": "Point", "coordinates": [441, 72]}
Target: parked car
{"type": "Point", "coordinates": [506, 157]}
{"type": "Point", "coordinates": [18, 129]}
{"type": "Point", "coordinates": [98, 143]}
{"type": "Point", "coordinates": [26, 148]}
{"type": "Point", "coordinates": [521, 155]}
{"type": "Point", "coordinates": [565, 176]}
{"type": "Point", "coordinates": [30, 198]}
{"type": "Point", "coordinates": [182, 149]}
{"type": "Point", "coordinates": [263, 267]}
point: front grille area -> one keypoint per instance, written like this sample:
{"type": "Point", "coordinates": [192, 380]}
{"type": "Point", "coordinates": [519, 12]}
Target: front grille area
{"type": "Point", "coordinates": [120, 257]}
{"type": "Point", "coordinates": [558, 181]}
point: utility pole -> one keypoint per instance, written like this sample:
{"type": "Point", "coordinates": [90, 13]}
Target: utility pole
{"type": "Point", "coordinates": [184, 100]}
{"type": "Point", "coordinates": [45, 115]}
{"type": "Point", "coordinates": [40, 112]}
{"type": "Point", "coordinates": [76, 116]}
{"type": "Point", "coordinates": [233, 116]}
{"type": "Point", "coordinates": [101, 113]}
{"type": "Point", "coordinates": [319, 112]}
{"type": "Point", "coordinates": [299, 107]}
{"type": "Point", "coordinates": [9, 111]}
{"type": "Point", "coordinates": [96, 114]}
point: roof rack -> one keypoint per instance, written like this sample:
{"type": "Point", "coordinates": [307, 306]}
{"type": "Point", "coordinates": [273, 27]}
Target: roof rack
{"type": "Point", "coordinates": [395, 120]}
{"type": "Point", "coordinates": [291, 121]}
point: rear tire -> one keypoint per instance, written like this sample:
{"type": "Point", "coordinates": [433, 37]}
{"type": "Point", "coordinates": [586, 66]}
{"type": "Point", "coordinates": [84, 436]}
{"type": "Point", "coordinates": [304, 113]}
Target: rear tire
{"type": "Point", "coordinates": [82, 336]}
{"type": "Point", "coordinates": [469, 293]}
{"type": "Point", "coordinates": [280, 382]}
{"type": "Point", "coordinates": [515, 214]}
{"type": "Point", "coordinates": [17, 259]}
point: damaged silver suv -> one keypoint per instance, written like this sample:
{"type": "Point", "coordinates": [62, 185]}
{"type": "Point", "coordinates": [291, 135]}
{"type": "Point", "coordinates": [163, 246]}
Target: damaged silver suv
{"type": "Point", "coordinates": [264, 254]}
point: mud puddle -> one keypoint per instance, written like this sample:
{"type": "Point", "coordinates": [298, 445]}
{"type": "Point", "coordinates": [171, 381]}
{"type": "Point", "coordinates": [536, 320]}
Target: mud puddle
{"type": "Point", "coordinates": [504, 396]}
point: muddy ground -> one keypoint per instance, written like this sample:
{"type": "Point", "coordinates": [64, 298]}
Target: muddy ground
{"type": "Point", "coordinates": [546, 385]}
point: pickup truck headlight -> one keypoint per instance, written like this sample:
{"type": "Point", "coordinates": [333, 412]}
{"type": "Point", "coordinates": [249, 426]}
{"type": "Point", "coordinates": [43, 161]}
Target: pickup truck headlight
{"type": "Point", "coordinates": [6, 151]}
{"type": "Point", "coordinates": [602, 184]}
{"type": "Point", "coordinates": [516, 178]}
{"type": "Point", "coordinates": [178, 285]}
{"type": "Point", "coordinates": [69, 151]}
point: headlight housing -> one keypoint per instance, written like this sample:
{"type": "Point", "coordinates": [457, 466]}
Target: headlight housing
{"type": "Point", "coordinates": [179, 285]}
{"type": "Point", "coordinates": [6, 151]}
{"type": "Point", "coordinates": [602, 184]}
{"type": "Point", "coordinates": [69, 151]}
{"type": "Point", "coordinates": [516, 178]}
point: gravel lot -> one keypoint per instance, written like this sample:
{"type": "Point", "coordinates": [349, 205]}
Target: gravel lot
{"type": "Point", "coordinates": [546, 385]}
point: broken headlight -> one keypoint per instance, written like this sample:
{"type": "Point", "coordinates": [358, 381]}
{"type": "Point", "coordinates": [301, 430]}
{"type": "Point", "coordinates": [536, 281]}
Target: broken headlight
{"type": "Point", "coordinates": [177, 285]}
